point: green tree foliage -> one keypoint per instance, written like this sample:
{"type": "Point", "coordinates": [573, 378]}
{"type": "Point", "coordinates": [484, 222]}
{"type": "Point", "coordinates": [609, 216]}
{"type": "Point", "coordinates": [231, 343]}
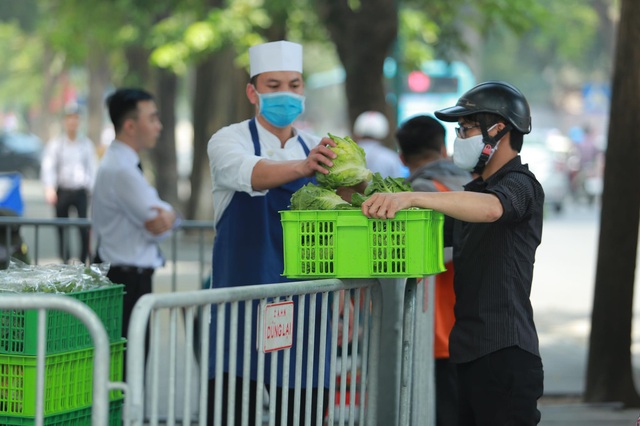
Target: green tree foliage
{"type": "Point", "coordinates": [20, 61]}
{"type": "Point", "coordinates": [20, 12]}
{"type": "Point", "coordinates": [133, 38]}
{"type": "Point", "coordinates": [440, 28]}
{"type": "Point", "coordinates": [565, 49]}
{"type": "Point", "coordinates": [181, 40]}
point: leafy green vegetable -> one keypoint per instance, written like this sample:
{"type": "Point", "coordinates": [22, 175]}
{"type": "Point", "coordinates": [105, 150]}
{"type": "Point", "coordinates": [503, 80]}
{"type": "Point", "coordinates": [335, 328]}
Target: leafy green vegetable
{"type": "Point", "coordinates": [380, 184]}
{"type": "Point", "coordinates": [314, 197]}
{"type": "Point", "coordinates": [53, 278]}
{"type": "Point", "coordinates": [349, 167]}
{"type": "Point", "coordinates": [388, 184]}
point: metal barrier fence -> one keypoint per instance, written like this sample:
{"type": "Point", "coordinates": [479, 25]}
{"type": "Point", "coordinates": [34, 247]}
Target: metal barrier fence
{"type": "Point", "coordinates": [101, 361]}
{"type": "Point", "coordinates": [352, 379]}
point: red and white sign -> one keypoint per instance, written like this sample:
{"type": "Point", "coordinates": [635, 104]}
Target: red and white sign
{"type": "Point", "coordinates": [277, 332]}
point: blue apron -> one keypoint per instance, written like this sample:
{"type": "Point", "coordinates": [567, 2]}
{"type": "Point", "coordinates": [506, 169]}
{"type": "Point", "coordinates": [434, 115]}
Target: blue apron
{"type": "Point", "coordinates": [248, 250]}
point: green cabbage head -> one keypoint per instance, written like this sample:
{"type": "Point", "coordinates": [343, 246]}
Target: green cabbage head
{"type": "Point", "coordinates": [349, 167]}
{"type": "Point", "coordinates": [313, 197]}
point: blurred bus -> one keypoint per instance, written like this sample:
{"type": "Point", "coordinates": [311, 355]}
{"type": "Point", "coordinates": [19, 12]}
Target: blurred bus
{"type": "Point", "coordinates": [437, 84]}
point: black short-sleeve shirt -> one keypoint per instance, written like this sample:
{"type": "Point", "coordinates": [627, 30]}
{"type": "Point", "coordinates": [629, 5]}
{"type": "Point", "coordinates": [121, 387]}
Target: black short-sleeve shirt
{"type": "Point", "coordinates": [494, 268]}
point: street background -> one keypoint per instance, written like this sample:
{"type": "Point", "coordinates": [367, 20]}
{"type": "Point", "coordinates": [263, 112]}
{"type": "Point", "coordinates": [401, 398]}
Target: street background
{"type": "Point", "coordinates": [562, 298]}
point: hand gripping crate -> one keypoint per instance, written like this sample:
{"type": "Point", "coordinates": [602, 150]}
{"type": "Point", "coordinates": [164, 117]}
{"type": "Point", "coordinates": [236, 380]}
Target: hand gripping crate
{"type": "Point", "coordinates": [347, 244]}
{"type": "Point", "coordinates": [68, 382]}
{"type": "Point", "coordinates": [65, 332]}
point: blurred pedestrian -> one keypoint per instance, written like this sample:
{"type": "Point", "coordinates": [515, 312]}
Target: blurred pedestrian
{"type": "Point", "coordinates": [422, 149]}
{"type": "Point", "coordinates": [68, 172]}
{"type": "Point", "coordinates": [129, 218]}
{"type": "Point", "coordinates": [256, 165]}
{"type": "Point", "coordinates": [587, 165]}
{"type": "Point", "coordinates": [369, 130]}
{"type": "Point", "coordinates": [496, 230]}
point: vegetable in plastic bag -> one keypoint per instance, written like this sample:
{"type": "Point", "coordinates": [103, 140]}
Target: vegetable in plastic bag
{"type": "Point", "coordinates": [23, 278]}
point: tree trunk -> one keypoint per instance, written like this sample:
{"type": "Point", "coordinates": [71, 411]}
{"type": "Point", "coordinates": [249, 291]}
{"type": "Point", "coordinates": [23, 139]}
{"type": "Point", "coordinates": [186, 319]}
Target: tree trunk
{"type": "Point", "coordinates": [219, 100]}
{"type": "Point", "coordinates": [202, 130]}
{"type": "Point", "coordinates": [363, 39]}
{"type": "Point", "coordinates": [42, 121]}
{"type": "Point", "coordinates": [164, 154]}
{"type": "Point", "coordinates": [99, 77]}
{"type": "Point", "coordinates": [609, 372]}
{"type": "Point", "coordinates": [139, 71]}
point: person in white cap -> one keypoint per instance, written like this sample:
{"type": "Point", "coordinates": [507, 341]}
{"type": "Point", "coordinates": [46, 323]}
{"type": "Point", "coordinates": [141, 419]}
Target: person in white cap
{"type": "Point", "coordinates": [68, 169]}
{"type": "Point", "coordinates": [369, 129]}
{"type": "Point", "coordinates": [256, 165]}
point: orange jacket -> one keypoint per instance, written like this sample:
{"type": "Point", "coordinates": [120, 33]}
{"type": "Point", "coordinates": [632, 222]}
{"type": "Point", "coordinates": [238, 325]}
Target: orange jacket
{"type": "Point", "coordinates": [445, 299]}
{"type": "Point", "coordinates": [444, 318]}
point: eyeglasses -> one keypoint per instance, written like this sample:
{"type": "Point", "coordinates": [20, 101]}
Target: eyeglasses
{"type": "Point", "coordinates": [461, 131]}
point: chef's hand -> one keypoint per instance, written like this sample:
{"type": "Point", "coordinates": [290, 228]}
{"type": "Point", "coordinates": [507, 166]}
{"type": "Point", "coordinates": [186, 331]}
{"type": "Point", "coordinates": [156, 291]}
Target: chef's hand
{"type": "Point", "coordinates": [319, 157]}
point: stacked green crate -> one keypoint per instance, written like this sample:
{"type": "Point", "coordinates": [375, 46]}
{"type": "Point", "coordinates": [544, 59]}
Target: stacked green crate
{"type": "Point", "coordinates": [69, 347]}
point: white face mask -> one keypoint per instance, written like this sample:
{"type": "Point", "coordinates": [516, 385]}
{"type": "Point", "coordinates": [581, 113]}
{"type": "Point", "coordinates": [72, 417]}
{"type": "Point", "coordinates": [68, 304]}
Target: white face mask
{"type": "Point", "coordinates": [467, 151]}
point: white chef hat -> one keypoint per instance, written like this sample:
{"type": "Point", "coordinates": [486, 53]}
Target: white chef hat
{"type": "Point", "coordinates": [275, 56]}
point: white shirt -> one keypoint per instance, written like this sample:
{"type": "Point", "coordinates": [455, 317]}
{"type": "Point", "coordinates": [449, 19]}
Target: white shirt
{"type": "Point", "coordinates": [69, 164]}
{"type": "Point", "coordinates": [382, 159]}
{"type": "Point", "coordinates": [122, 201]}
{"type": "Point", "coordinates": [232, 158]}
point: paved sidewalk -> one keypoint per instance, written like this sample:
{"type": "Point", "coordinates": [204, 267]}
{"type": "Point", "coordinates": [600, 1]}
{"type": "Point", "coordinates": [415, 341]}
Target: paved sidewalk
{"type": "Point", "coordinates": [562, 298]}
{"type": "Point", "coordinates": [565, 364]}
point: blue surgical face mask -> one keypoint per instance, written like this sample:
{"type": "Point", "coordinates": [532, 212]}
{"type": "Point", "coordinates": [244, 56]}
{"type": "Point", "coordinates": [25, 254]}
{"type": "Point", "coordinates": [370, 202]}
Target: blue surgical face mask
{"type": "Point", "coordinates": [280, 108]}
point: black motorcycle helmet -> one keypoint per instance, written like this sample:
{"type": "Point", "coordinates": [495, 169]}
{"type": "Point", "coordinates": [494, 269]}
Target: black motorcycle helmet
{"type": "Point", "coordinates": [495, 97]}
{"type": "Point", "coordinates": [492, 97]}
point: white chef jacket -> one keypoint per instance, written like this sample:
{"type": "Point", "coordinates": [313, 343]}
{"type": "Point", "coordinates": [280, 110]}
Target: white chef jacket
{"type": "Point", "coordinates": [122, 201]}
{"type": "Point", "coordinates": [232, 158]}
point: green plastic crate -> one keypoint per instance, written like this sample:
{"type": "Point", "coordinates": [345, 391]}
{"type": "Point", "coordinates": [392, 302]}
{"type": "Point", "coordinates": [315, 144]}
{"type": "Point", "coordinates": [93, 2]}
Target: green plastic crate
{"type": "Point", "coordinates": [68, 381]}
{"type": "Point", "coordinates": [65, 332]}
{"type": "Point", "coordinates": [80, 417]}
{"type": "Point", "coordinates": [347, 244]}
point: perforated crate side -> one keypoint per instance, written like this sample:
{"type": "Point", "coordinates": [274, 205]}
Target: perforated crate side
{"type": "Point", "coordinates": [68, 381]}
{"type": "Point", "coordinates": [65, 332]}
{"type": "Point", "coordinates": [347, 244]}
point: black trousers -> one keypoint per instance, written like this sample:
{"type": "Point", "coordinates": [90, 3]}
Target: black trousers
{"type": "Point", "coordinates": [137, 282]}
{"type": "Point", "coordinates": [446, 392]}
{"type": "Point", "coordinates": [252, 403]}
{"type": "Point", "coordinates": [500, 389]}
{"type": "Point", "coordinates": [72, 200]}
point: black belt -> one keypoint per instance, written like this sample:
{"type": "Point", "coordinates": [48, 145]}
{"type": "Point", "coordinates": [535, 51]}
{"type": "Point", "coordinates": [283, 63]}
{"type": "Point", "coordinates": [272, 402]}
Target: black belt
{"type": "Point", "coordinates": [71, 189]}
{"type": "Point", "coordinates": [127, 269]}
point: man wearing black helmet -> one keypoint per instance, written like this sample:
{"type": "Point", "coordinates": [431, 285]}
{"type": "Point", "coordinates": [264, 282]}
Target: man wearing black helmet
{"type": "Point", "coordinates": [495, 227]}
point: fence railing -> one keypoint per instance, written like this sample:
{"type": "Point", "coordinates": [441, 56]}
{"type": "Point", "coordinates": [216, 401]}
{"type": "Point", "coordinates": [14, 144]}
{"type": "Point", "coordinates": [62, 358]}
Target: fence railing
{"type": "Point", "coordinates": [190, 243]}
{"type": "Point", "coordinates": [352, 378]}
